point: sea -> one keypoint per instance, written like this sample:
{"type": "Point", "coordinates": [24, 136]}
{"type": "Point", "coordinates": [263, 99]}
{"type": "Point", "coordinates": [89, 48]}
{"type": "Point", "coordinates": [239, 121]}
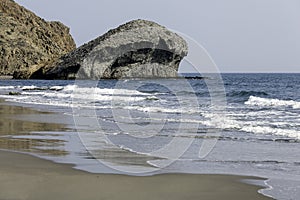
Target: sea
{"type": "Point", "coordinates": [239, 124]}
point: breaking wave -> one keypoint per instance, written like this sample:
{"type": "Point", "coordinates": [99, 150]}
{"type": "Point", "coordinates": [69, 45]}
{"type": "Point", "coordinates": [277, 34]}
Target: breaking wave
{"type": "Point", "coordinates": [265, 102]}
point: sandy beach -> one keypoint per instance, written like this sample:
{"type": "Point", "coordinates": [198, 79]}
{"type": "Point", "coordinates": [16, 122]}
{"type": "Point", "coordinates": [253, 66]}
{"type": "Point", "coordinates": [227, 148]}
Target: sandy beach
{"type": "Point", "coordinates": [27, 177]}
{"type": "Point", "coordinates": [24, 176]}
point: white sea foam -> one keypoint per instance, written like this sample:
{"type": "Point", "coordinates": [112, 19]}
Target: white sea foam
{"type": "Point", "coordinates": [274, 131]}
{"type": "Point", "coordinates": [56, 88]}
{"type": "Point", "coordinates": [105, 94]}
{"type": "Point", "coordinates": [70, 87]}
{"type": "Point", "coordinates": [104, 91]}
{"type": "Point", "coordinates": [6, 87]}
{"type": "Point", "coordinates": [32, 87]}
{"type": "Point", "coordinates": [221, 121]}
{"type": "Point", "coordinates": [57, 95]}
{"type": "Point", "coordinates": [182, 110]}
{"type": "Point", "coordinates": [98, 97]}
{"type": "Point", "coordinates": [33, 93]}
{"type": "Point", "coordinates": [72, 96]}
{"type": "Point", "coordinates": [14, 97]}
{"type": "Point", "coordinates": [133, 151]}
{"type": "Point", "coordinates": [256, 127]}
{"type": "Point", "coordinates": [264, 102]}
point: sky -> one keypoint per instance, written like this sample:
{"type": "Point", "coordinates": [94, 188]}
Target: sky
{"type": "Point", "coordinates": [239, 35]}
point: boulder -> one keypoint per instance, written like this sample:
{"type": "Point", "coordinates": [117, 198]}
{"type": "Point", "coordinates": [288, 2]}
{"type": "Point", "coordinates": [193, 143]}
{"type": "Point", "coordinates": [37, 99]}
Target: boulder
{"type": "Point", "coordinates": [28, 42]}
{"type": "Point", "coordinates": [137, 49]}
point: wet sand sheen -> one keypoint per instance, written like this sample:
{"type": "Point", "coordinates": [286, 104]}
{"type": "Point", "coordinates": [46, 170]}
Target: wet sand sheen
{"type": "Point", "coordinates": [19, 124]}
{"type": "Point", "coordinates": [27, 177]}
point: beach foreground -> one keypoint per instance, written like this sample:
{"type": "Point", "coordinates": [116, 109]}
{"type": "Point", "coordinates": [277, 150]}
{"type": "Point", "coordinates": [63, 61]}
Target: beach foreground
{"type": "Point", "coordinates": [24, 176]}
{"type": "Point", "coordinates": [27, 177]}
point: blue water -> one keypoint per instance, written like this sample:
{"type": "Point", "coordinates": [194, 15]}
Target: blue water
{"type": "Point", "coordinates": [245, 124]}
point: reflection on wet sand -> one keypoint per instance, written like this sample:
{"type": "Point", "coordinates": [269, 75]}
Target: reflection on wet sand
{"type": "Point", "coordinates": [27, 130]}
{"type": "Point", "coordinates": [19, 134]}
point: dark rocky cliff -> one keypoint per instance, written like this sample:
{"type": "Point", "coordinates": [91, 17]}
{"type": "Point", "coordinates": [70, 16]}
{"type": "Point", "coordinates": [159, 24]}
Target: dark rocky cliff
{"type": "Point", "coordinates": [28, 42]}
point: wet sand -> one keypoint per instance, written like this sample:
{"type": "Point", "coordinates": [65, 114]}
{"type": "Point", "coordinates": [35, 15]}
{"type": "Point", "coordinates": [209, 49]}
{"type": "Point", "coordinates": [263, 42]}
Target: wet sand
{"type": "Point", "coordinates": [18, 124]}
{"type": "Point", "coordinates": [26, 177]}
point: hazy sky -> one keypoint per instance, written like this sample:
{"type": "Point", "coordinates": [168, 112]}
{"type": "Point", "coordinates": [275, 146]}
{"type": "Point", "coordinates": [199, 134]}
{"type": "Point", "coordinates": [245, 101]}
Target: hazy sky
{"type": "Point", "coordinates": [240, 35]}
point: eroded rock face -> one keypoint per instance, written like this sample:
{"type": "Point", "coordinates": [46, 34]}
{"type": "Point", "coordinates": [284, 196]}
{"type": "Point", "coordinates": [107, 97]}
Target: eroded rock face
{"type": "Point", "coordinates": [28, 42]}
{"type": "Point", "coordinates": [137, 49]}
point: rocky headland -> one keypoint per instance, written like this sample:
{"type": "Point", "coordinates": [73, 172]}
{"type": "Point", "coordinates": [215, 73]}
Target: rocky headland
{"type": "Point", "coordinates": [28, 42]}
{"type": "Point", "coordinates": [32, 48]}
{"type": "Point", "coordinates": [137, 49]}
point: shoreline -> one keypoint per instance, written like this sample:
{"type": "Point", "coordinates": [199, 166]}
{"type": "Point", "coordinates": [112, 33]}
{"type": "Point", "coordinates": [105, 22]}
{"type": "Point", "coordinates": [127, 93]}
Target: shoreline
{"type": "Point", "coordinates": [35, 178]}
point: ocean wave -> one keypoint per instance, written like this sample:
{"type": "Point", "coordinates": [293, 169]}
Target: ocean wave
{"type": "Point", "coordinates": [14, 98]}
{"type": "Point", "coordinates": [179, 110]}
{"type": "Point", "coordinates": [78, 99]}
{"type": "Point", "coordinates": [272, 131]}
{"type": "Point", "coordinates": [74, 96]}
{"type": "Point", "coordinates": [220, 121]}
{"type": "Point", "coordinates": [184, 93]}
{"type": "Point", "coordinates": [56, 88]}
{"type": "Point", "coordinates": [70, 87]}
{"type": "Point", "coordinates": [76, 89]}
{"type": "Point", "coordinates": [33, 87]}
{"type": "Point", "coordinates": [226, 122]}
{"type": "Point", "coordinates": [104, 91]}
{"type": "Point", "coordinates": [152, 91]}
{"type": "Point", "coordinates": [88, 98]}
{"type": "Point", "coordinates": [246, 93]}
{"type": "Point", "coordinates": [265, 102]}
{"type": "Point", "coordinates": [106, 94]}
{"type": "Point", "coordinates": [6, 87]}
{"type": "Point", "coordinates": [56, 95]}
